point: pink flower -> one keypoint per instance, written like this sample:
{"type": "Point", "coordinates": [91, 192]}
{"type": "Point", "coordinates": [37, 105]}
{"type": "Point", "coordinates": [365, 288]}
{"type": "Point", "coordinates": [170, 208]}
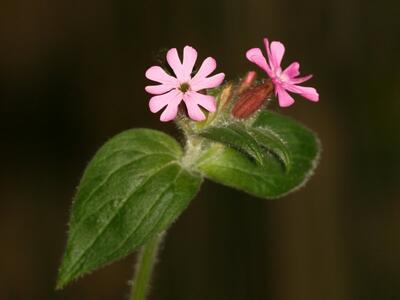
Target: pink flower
{"type": "Point", "coordinates": [286, 80]}
{"type": "Point", "coordinates": [172, 90]}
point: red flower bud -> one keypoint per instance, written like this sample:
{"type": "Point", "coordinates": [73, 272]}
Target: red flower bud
{"type": "Point", "coordinates": [251, 100]}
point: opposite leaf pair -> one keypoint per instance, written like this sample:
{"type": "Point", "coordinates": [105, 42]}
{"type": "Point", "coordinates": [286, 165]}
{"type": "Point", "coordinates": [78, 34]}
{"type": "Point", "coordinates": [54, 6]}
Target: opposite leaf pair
{"type": "Point", "coordinates": [138, 183]}
{"type": "Point", "coordinates": [172, 90]}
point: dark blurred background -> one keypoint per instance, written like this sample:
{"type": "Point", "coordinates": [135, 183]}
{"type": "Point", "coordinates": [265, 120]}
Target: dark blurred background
{"type": "Point", "coordinates": [72, 76]}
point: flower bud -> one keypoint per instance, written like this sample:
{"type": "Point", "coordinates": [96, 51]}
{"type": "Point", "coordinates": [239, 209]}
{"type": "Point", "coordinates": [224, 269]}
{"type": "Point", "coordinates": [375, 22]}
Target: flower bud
{"type": "Point", "coordinates": [226, 95]}
{"type": "Point", "coordinates": [251, 100]}
{"type": "Point", "coordinates": [247, 82]}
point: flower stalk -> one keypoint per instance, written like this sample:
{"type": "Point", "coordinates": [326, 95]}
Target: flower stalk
{"type": "Point", "coordinates": [145, 267]}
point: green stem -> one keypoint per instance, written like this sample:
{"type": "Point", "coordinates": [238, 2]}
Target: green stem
{"type": "Point", "coordinates": [144, 268]}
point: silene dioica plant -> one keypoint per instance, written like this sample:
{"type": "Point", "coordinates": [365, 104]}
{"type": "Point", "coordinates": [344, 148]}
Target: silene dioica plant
{"type": "Point", "coordinates": [141, 180]}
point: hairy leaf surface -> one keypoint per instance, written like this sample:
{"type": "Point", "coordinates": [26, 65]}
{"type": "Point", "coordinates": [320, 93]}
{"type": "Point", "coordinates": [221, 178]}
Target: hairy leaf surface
{"type": "Point", "coordinates": [299, 151]}
{"type": "Point", "coordinates": [133, 188]}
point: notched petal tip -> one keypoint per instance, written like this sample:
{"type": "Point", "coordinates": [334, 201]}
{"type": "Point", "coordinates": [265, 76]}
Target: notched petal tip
{"type": "Point", "coordinates": [197, 116]}
{"type": "Point", "coordinates": [175, 63]}
{"type": "Point", "coordinates": [166, 118]}
{"type": "Point", "coordinates": [220, 77]}
{"type": "Point", "coordinates": [151, 71]}
{"type": "Point", "coordinates": [314, 97]}
{"type": "Point", "coordinates": [253, 52]}
{"type": "Point", "coordinates": [209, 64]}
{"type": "Point", "coordinates": [156, 104]}
{"type": "Point", "coordinates": [169, 113]}
{"type": "Point", "coordinates": [189, 48]}
{"type": "Point", "coordinates": [277, 46]}
{"type": "Point", "coordinates": [158, 74]}
{"type": "Point", "coordinates": [309, 93]}
{"type": "Point", "coordinates": [285, 104]}
{"type": "Point", "coordinates": [256, 56]}
{"type": "Point", "coordinates": [277, 52]}
{"type": "Point", "coordinates": [189, 60]}
{"type": "Point", "coordinates": [172, 53]}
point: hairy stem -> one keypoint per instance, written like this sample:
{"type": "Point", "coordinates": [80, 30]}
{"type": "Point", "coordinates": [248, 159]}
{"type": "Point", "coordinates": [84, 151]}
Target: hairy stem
{"type": "Point", "coordinates": [144, 268]}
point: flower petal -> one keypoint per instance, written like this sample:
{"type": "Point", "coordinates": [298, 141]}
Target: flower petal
{"type": "Point", "coordinates": [175, 63]}
{"type": "Point", "coordinates": [256, 56]}
{"type": "Point", "coordinates": [206, 101]}
{"type": "Point", "coordinates": [193, 108]}
{"type": "Point", "coordinates": [284, 98]}
{"type": "Point", "coordinates": [306, 92]}
{"type": "Point", "coordinates": [172, 108]}
{"type": "Point", "coordinates": [207, 83]}
{"type": "Point", "coordinates": [156, 73]}
{"type": "Point", "coordinates": [207, 67]}
{"type": "Point", "coordinates": [170, 99]}
{"type": "Point", "coordinates": [189, 59]}
{"type": "Point", "coordinates": [170, 112]}
{"type": "Point", "coordinates": [275, 53]}
{"type": "Point", "coordinates": [299, 79]}
{"type": "Point", "coordinates": [158, 89]}
{"type": "Point", "coordinates": [268, 49]}
{"type": "Point", "coordinates": [292, 70]}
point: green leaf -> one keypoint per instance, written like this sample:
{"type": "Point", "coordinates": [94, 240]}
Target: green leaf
{"type": "Point", "coordinates": [271, 141]}
{"type": "Point", "coordinates": [133, 189]}
{"type": "Point", "coordinates": [230, 167]}
{"type": "Point", "coordinates": [236, 136]}
{"type": "Point", "coordinates": [251, 141]}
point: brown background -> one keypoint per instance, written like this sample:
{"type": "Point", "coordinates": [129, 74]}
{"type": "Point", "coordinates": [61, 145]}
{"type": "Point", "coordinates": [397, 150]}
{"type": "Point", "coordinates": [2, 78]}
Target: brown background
{"type": "Point", "coordinates": [72, 76]}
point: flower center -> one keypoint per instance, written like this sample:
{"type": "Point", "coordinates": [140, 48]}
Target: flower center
{"type": "Point", "coordinates": [280, 76]}
{"type": "Point", "coordinates": [184, 87]}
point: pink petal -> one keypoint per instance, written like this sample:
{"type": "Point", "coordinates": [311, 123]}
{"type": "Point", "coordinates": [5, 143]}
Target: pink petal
{"type": "Point", "coordinates": [207, 83]}
{"type": "Point", "coordinates": [306, 92]}
{"type": "Point", "coordinates": [171, 100]}
{"type": "Point", "coordinates": [299, 79]}
{"type": "Point", "coordinates": [156, 73]}
{"type": "Point", "coordinates": [169, 113]}
{"type": "Point", "coordinates": [172, 108]}
{"type": "Point", "coordinates": [284, 98]}
{"type": "Point", "coordinates": [267, 47]}
{"type": "Point", "coordinates": [193, 109]}
{"type": "Point", "coordinates": [175, 63]}
{"type": "Point", "coordinates": [292, 70]}
{"type": "Point", "coordinates": [207, 67]}
{"type": "Point", "coordinates": [189, 59]}
{"type": "Point", "coordinates": [206, 101]}
{"type": "Point", "coordinates": [158, 89]}
{"type": "Point", "coordinates": [158, 102]}
{"type": "Point", "coordinates": [255, 56]}
{"type": "Point", "coordinates": [275, 53]}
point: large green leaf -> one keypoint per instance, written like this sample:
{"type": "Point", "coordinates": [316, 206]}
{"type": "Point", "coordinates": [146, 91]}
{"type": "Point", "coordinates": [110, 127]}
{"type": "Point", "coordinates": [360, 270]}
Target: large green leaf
{"type": "Point", "coordinates": [251, 141]}
{"type": "Point", "coordinates": [230, 167]}
{"type": "Point", "coordinates": [133, 188]}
